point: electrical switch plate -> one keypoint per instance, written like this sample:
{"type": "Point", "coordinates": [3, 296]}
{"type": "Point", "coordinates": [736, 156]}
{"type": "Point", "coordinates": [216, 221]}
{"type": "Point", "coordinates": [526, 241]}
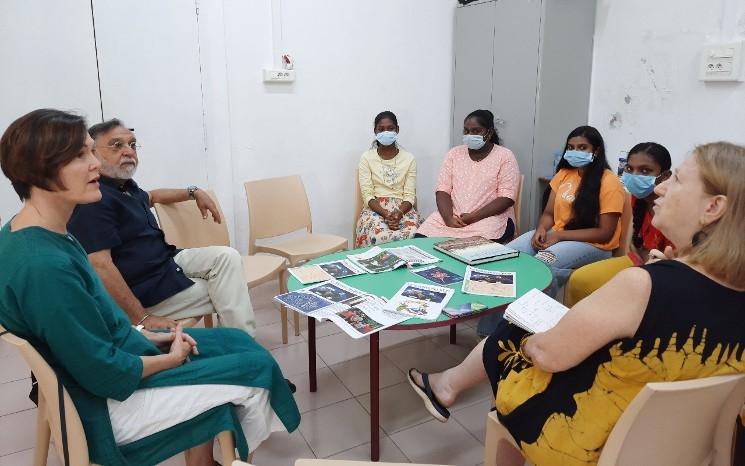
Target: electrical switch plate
{"type": "Point", "coordinates": [721, 62]}
{"type": "Point", "coordinates": [279, 76]}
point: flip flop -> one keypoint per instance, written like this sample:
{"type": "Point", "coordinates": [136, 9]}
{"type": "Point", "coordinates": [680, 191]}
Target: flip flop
{"type": "Point", "coordinates": [434, 407]}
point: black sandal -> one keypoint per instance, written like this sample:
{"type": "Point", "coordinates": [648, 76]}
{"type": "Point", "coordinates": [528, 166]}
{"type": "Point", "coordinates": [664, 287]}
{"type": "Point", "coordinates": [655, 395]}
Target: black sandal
{"type": "Point", "coordinates": [435, 408]}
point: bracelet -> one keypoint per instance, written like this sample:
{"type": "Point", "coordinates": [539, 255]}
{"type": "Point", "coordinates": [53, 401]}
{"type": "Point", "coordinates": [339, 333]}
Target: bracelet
{"type": "Point", "coordinates": [521, 349]}
{"type": "Point", "coordinates": [142, 320]}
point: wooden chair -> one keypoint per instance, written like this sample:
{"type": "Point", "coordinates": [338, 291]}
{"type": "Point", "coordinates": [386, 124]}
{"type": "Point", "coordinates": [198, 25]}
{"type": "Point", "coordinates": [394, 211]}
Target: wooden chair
{"type": "Point", "coordinates": [687, 423]}
{"type": "Point", "coordinates": [279, 206]}
{"type": "Point", "coordinates": [627, 228]}
{"type": "Point", "coordinates": [48, 423]}
{"type": "Point", "coordinates": [185, 228]}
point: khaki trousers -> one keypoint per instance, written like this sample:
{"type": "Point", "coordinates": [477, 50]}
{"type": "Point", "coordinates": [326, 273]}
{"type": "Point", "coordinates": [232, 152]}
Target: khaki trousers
{"type": "Point", "coordinates": [219, 286]}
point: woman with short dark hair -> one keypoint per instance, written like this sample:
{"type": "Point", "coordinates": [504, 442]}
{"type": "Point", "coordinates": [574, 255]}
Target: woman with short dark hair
{"type": "Point", "coordinates": [142, 396]}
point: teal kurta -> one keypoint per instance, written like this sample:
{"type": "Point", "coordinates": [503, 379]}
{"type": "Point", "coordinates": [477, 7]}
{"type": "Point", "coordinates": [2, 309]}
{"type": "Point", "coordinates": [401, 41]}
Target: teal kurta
{"type": "Point", "coordinates": [50, 296]}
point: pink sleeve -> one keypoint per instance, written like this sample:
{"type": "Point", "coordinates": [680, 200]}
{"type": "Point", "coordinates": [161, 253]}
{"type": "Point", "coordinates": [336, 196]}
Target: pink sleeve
{"type": "Point", "coordinates": [508, 177]}
{"type": "Point", "coordinates": [445, 179]}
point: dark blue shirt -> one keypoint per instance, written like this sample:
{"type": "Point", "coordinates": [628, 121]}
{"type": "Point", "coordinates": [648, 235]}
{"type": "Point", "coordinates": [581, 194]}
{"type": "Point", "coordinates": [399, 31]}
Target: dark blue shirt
{"type": "Point", "coordinates": [123, 222]}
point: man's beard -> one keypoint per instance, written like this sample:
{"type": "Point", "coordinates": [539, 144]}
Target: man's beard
{"type": "Point", "coordinates": [119, 172]}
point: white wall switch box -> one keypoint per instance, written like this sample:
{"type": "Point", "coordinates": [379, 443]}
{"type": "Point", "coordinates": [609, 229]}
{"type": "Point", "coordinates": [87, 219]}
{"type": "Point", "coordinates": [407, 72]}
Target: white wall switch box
{"type": "Point", "coordinates": [721, 62]}
{"type": "Point", "coordinates": [279, 76]}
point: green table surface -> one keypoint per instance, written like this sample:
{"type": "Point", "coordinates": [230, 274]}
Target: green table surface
{"type": "Point", "coordinates": [530, 273]}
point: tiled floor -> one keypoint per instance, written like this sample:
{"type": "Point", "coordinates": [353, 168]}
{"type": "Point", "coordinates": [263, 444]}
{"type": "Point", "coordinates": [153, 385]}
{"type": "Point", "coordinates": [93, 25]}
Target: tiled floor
{"type": "Point", "coordinates": [335, 420]}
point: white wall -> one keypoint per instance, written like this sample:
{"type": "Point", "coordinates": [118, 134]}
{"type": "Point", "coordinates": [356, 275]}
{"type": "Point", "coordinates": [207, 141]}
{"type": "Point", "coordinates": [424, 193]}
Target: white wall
{"type": "Point", "coordinates": [353, 60]}
{"type": "Point", "coordinates": [645, 74]}
{"type": "Point", "coordinates": [48, 60]}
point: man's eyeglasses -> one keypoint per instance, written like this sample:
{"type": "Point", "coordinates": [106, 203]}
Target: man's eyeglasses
{"type": "Point", "coordinates": [118, 146]}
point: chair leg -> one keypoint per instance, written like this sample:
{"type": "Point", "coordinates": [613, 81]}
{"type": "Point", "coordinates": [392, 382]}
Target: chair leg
{"type": "Point", "coordinates": [283, 318]}
{"type": "Point", "coordinates": [296, 322]}
{"type": "Point", "coordinates": [227, 447]}
{"type": "Point", "coordinates": [43, 434]}
{"type": "Point", "coordinates": [283, 309]}
{"type": "Point", "coordinates": [208, 321]}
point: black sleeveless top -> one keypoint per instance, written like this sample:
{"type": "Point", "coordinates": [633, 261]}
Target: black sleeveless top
{"type": "Point", "coordinates": [692, 328]}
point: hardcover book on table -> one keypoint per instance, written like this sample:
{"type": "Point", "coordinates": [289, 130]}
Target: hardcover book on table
{"type": "Point", "coordinates": [475, 250]}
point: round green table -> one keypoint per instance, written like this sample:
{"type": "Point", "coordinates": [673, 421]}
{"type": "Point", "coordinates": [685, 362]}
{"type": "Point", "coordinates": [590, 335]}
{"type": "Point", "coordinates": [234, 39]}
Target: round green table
{"type": "Point", "coordinates": [529, 273]}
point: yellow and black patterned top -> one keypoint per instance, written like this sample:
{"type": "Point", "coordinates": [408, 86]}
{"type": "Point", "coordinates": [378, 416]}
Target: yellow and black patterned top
{"type": "Point", "coordinates": [692, 328]}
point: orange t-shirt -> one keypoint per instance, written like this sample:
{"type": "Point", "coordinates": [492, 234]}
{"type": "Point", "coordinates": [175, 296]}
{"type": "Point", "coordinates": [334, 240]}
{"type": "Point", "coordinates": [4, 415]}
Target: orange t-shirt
{"type": "Point", "coordinates": [565, 184]}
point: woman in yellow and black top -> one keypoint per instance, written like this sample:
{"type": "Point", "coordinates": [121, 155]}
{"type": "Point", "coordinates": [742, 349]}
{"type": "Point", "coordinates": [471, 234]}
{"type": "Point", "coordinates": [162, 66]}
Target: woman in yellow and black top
{"type": "Point", "coordinates": [561, 392]}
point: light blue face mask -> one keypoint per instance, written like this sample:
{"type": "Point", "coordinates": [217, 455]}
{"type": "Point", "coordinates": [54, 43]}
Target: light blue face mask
{"type": "Point", "coordinates": [640, 186]}
{"type": "Point", "coordinates": [386, 138]}
{"type": "Point", "coordinates": [474, 141]}
{"type": "Point", "coordinates": [578, 158]}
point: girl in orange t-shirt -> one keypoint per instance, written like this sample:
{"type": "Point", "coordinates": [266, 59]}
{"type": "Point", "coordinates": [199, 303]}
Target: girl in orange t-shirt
{"type": "Point", "coordinates": [582, 219]}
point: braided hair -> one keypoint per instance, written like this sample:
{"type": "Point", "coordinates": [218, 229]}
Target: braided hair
{"type": "Point", "coordinates": [660, 155]}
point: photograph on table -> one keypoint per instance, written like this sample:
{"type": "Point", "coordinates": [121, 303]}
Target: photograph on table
{"type": "Point", "coordinates": [337, 292]}
{"type": "Point", "coordinates": [438, 275]}
{"type": "Point", "coordinates": [420, 300]}
{"type": "Point", "coordinates": [377, 260]}
{"type": "Point", "coordinates": [341, 268]}
{"type": "Point", "coordinates": [489, 283]}
{"type": "Point", "coordinates": [305, 303]}
{"type": "Point", "coordinates": [363, 318]}
{"type": "Point", "coordinates": [465, 309]}
{"type": "Point", "coordinates": [413, 255]}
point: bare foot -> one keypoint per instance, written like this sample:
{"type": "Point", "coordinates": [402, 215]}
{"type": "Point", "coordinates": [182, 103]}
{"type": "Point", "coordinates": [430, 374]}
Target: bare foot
{"type": "Point", "coordinates": [439, 385]}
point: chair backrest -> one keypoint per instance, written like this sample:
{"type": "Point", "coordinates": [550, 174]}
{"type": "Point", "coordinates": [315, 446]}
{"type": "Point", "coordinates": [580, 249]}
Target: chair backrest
{"type": "Point", "coordinates": [49, 403]}
{"type": "Point", "coordinates": [518, 205]}
{"type": "Point", "coordinates": [627, 227]}
{"type": "Point", "coordinates": [185, 228]}
{"type": "Point", "coordinates": [678, 423]}
{"type": "Point", "coordinates": [276, 206]}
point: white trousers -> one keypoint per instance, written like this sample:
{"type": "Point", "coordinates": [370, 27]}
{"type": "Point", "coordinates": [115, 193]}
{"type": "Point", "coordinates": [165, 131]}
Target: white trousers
{"type": "Point", "coordinates": [219, 286]}
{"type": "Point", "coordinates": [151, 410]}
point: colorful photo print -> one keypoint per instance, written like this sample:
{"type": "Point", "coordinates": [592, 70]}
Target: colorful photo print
{"type": "Point", "coordinates": [332, 292]}
{"type": "Point", "coordinates": [412, 307]}
{"type": "Point", "coordinates": [303, 302]}
{"type": "Point", "coordinates": [359, 320]}
{"type": "Point", "coordinates": [505, 279]}
{"type": "Point", "coordinates": [439, 275]}
{"type": "Point", "coordinates": [337, 269]}
{"type": "Point", "coordinates": [423, 294]}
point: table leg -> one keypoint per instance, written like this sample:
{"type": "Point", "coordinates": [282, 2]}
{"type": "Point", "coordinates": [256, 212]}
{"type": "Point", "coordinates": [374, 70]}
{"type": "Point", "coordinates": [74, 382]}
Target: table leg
{"type": "Point", "coordinates": [375, 397]}
{"type": "Point", "coordinates": [452, 334]}
{"type": "Point", "coordinates": [312, 354]}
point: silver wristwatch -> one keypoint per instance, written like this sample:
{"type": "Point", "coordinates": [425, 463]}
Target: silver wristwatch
{"type": "Point", "coordinates": [191, 190]}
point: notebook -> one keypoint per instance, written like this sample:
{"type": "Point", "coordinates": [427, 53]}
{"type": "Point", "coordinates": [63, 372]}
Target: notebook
{"type": "Point", "coordinates": [475, 250]}
{"type": "Point", "coordinates": [535, 311]}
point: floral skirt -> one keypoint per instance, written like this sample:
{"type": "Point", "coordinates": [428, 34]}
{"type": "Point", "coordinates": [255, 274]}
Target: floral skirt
{"type": "Point", "coordinates": [372, 229]}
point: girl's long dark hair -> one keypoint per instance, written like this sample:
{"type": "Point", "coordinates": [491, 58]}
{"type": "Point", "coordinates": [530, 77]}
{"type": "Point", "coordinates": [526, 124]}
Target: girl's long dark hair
{"type": "Point", "coordinates": [659, 154]}
{"type": "Point", "coordinates": [586, 205]}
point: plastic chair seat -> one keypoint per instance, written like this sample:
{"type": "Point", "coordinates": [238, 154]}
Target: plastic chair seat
{"type": "Point", "coordinates": [308, 247]}
{"type": "Point", "coordinates": [262, 269]}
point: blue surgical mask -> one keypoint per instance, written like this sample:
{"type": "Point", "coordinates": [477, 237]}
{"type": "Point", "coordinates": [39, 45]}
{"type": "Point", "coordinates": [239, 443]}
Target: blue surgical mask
{"type": "Point", "coordinates": [386, 138]}
{"type": "Point", "coordinates": [474, 141]}
{"type": "Point", "coordinates": [640, 186]}
{"type": "Point", "coordinates": [578, 158]}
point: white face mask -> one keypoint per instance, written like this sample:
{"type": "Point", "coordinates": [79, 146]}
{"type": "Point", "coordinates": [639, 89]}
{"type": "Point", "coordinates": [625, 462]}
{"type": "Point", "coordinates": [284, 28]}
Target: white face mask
{"type": "Point", "coordinates": [386, 138]}
{"type": "Point", "coordinates": [474, 141]}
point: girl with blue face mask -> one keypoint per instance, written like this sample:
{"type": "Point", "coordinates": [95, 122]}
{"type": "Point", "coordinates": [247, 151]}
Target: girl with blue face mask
{"type": "Point", "coordinates": [387, 179]}
{"type": "Point", "coordinates": [581, 221]}
{"type": "Point", "coordinates": [477, 186]}
{"type": "Point", "coordinates": [648, 165]}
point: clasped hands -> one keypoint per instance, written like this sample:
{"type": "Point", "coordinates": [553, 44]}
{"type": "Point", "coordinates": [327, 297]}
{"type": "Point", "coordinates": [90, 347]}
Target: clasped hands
{"type": "Point", "coordinates": [460, 221]}
{"type": "Point", "coordinates": [543, 239]}
{"type": "Point", "coordinates": [175, 343]}
{"type": "Point", "coordinates": [393, 219]}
